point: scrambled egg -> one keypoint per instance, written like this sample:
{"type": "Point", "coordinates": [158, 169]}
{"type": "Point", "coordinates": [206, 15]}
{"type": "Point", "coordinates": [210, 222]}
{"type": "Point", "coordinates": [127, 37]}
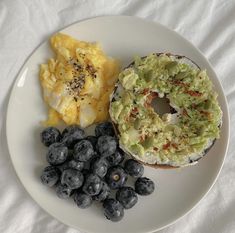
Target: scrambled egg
{"type": "Point", "coordinates": [78, 82]}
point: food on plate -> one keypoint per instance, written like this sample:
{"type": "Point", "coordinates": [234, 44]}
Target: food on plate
{"type": "Point", "coordinates": [144, 186]}
{"type": "Point", "coordinates": [116, 177]}
{"type": "Point", "coordinates": [77, 83]}
{"type": "Point", "coordinates": [72, 178]}
{"type": "Point", "coordinates": [71, 135]}
{"type": "Point", "coordinates": [103, 194]}
{"type": "Point", "coordinates": [106, 145]}
{"type": "Point", "coordinates": [82, 200]}
{"type": "Point", "coordinates": [92, 185]}
{"type": "Point", "coordinates": [83, 150]}
{"type": "Point", "coordinates": [105, 128]}
{"type": "Point", "coordinates": [50, 135]}
{"type": "Point", "coordinates": [100, 166]}
{"type": "Point", "coordinates": [127, 197]}
{"type": "Point", "coordinates": [88, 171]}
{"type": "Point", "coordinates": [134, 168]}
{"type": "Point", "coordinates": [113, 210]}
{"type": "Point", "coordinates": [174, 139]}
{"type": "Point", "coordinates": [78, 165]}
{"type": "Point", "coordinates": [57, 153]}
{"type": "Point", "coordinates": [50, 176]}
{"type": "Point", "coordinates": [63, 191]}
{"type": "Point", "coordinates": [116, 158]}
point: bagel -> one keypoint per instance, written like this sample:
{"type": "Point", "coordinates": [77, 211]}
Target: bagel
{"type": "Point", "coordinates": [175, 139]}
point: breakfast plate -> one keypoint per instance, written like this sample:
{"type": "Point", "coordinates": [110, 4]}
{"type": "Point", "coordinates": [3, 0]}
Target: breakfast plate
{"type": "Point", "coordinates": [177, 190]}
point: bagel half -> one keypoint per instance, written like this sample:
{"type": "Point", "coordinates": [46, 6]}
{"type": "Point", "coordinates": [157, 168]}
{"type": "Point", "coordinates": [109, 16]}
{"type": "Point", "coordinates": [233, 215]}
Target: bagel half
{"type": "Point", "coordinates": [191, 158]}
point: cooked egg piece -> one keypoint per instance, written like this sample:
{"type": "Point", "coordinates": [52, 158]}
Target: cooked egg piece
{"type": "Point", "coordinates": [77, 83]}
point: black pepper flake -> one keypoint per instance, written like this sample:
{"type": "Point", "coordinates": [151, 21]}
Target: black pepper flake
{"type": "Point", "coordinates": [82, 55]}
{"type": "Point", "coordinates": [92, 71]}
{"type": "Point", "coordinates": [76, 85]}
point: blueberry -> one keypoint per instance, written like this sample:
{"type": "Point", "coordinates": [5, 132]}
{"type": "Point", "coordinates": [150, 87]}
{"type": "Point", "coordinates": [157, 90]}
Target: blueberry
{"type": "Point", "coordinates": [116, 177]}
{"type": "Point", "coordinates": [50, 135]}
{"type": "Point", "coordinates": [144, 186]}
{"type": "Point", "coordinates": [83, 151]}
{"type": "Point", "coordinates": [116, 158]}
{"type": "Point", "coordinates": [50, 176]}
{"type": "Point", "coordinates": [57, 154]}
{"type": "Point", "coordinates": [105, 128]}
{"type": "Point", "coordinates": [92, 139]}
{"type": "Point", "coordinates": [113, 210]}
{"type": "Point", "coordinates": [92, 185]}
{"type": "Point", "coordinates": [72, 178]}
{"type": "Point", "coordinates": [71, 135]}
{"type": "Point", "coordinates": [78, 165]}
{"type": "Point", "coordinates": [99, 166]}
{"type": "Point", "coordinates": [134, 168]}
{"type": "Point", "coordinates": [82, 200]}
{"type": "Point", "coordinates": [106, 145]}
{"type": "Point", "coordinates": [104, 193]}
{"type": "Point", "coordinates": [63, 191]}
{"type": "Point", "coordinates": [127, 197]}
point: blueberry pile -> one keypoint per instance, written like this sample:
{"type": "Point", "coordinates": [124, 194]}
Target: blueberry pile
{"type": "Point", "coordinates": [92, 168]}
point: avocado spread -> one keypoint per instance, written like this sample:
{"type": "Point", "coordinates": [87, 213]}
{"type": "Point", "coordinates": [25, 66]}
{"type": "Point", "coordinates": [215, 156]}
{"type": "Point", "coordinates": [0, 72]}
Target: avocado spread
{"type": "Point", "coordinates": [173, 139]}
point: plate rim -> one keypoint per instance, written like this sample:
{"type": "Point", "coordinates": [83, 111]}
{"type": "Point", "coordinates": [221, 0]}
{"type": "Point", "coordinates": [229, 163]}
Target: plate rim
{"type": "Point", "coordinates": [14, 86]}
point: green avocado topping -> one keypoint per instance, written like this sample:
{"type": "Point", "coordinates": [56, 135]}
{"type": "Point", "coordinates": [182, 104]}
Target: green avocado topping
{"type": "Point", "coordinates": [189, 90]}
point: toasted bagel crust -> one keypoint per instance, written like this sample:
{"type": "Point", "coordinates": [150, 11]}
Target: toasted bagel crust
{"type": "Point", "coordinates": [156, 165]}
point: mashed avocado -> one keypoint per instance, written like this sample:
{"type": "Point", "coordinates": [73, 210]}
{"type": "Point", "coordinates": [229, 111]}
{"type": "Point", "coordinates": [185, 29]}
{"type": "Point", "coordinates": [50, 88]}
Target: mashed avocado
{"type": "Point", "coordinates": [155, 138]}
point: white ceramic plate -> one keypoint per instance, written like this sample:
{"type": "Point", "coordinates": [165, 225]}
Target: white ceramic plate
{"type": "Point", "coordinates": [177, 191]}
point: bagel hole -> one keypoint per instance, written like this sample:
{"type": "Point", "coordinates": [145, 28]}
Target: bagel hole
{"type": "Point", "coordinates": [161, 105]}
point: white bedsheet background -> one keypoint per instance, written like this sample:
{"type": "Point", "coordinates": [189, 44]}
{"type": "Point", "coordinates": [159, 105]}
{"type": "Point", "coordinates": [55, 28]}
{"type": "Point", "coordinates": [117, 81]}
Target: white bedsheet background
{"type": "Point", "coordinates": [209, 25]}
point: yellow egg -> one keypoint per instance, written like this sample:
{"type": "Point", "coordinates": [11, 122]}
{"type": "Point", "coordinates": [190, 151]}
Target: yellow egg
{"type": "Point", "coordinates": [77, 83]}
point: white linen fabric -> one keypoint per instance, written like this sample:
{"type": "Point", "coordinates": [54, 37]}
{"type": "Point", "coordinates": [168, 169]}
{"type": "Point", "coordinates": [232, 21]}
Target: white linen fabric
{"type": "Point", "coordinates": [209, 25]}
